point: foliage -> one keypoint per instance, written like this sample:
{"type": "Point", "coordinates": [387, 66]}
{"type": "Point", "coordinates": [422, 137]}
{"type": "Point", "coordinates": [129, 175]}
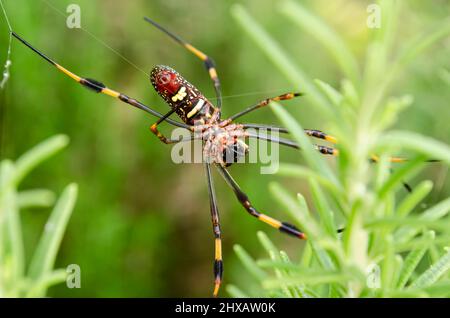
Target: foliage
{"type": "Point", "coordinates": [144, 219]}
{"type": "Point", "coordinates": [19, 277]}
{"type": "Point", "coordinates": [391, 246]}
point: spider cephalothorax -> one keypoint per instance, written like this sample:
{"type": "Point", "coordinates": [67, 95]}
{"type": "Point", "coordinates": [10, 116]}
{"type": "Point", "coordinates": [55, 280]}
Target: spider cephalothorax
{"type": "Point", "coordinates": [223, 143]}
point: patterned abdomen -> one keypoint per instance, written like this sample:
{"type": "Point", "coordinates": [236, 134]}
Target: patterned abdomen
{"type": "Point", "coordinates": [189, 104]}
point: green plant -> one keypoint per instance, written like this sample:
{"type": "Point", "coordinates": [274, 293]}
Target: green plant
{"type": "Point", "coordinates": [382, 231]}
{"type": "Point", "coordinates": [16, 278]}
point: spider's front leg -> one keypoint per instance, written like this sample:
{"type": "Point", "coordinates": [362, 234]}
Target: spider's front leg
{"type": "Point", "coordinates": [99, 87]}
{"type": "Point", "coordinates": [164, 139]}
{"type": "Point", "coordinates": [207, 61]}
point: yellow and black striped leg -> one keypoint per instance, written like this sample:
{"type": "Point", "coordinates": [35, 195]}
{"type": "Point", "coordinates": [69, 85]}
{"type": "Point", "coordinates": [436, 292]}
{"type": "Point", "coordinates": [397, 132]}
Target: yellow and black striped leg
{"type": "Point", "coordinates": [99, 87]}
{"type": "Point", "coordinates": [309, 132]}
{"type": "Point", "coordinates": [218, 261]}
{"type": "Point", "coordinates": [278, 129]}
{"type": "Point", "coordinates": [289, 143]}
{"type": "Point", "coordinates": [208, 61]}
{"type": "Point", "coordinates": [164, 139]}
{"type": "Point", "coordinates": [244, 200]}
{"type": "Point", "coordinates": [375, 158]}
{"type": "Point", "coordinates": [263, 103]}
{"type": "Point", "coordinates": [322, 149]}
{"type": "Point", "coordinates": [320, 135]}
{"type": "Point", "coordinates": [154, 129]}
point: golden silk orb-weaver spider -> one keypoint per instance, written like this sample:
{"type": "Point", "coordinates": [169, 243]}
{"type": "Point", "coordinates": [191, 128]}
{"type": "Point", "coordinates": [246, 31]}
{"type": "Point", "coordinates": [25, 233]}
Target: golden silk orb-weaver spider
{"type": "Point", "coordinates": [221, 138]}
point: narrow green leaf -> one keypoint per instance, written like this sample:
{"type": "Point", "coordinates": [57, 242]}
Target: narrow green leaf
{"type": "Point", "coordinates": [249, 263]}
{"type": "Point", "coordinates": [416, 293]}
{"type": "Point", "coordinates": [39, 198]}
{"type": "Point", "coordinates": [325, 35]}
{"type": "Point", "coordinates": [10, 224]}
{"type": "Point", "coordinates": [309, 279]}
{"type": "Point", "coordinates": [307, 256]}
{"type": "Point", "coordinates": [412, 260]}
{"type": "Point", "coordinates": [322, 256]}
{"type": "Point", "coordinates": [429, 216]}
{"type": "Point", "coordinates": [432, 274]}
{"type": "Point", "coordinates": [437, 211]}
{"type": "Point", "coordinates": [400, 174]}
{"type": "Point", "coordinates": [417, 222]}
{"type": "Point", "coordinates": [350, 93]}
{"type": "Point", "coordinates": [267, 244]}
{"type": "Point", "coordinates": [379, 51]}
{"type": "Point", "coordinates": [323, 208]}
{"type": "Point", "coordinates": [38, 287]}
{"type": "Point", "coordinates": [398, 266]}
{"type": "Point", "coordinates": [387, 269]}
{"type": "Point", "coordinates": [424, 40]}
{"type": "Point", "coordinates": [413, 199]}
{"type": "Point", "coordinates": [439, 289]}
{"type": "Point", "coordinates": [37, 154]}
{"type": "Point", "coordinates": [278, 57]}
{"type": "Point", "coordinates": [355, 238]}
{"type": "Point", "coordinates": [333, 94]}
{"type": "Point", "coordinates": [45, 254]}
{"type": "Point", "coordinates": [310, 154]}
{"type": "Point", "coordinates": [296, 291]}
{"type": "Point", "coordinates": [405, 246]}
{"type": "Point", "coordinates": [303, 205]}
{"type": "Point", "coordinates": [306, 222]}
{"type": "Point", "coordinates": [279, 264]}
{"type": "Point", "coordinates": [235, 292]}
{"type": "Point", "coordinates": [7, 171]}
{"type": "Point", "coordinates": [428, 146]}
{"type": "Point", "coordinates": [294, 170]}
{"type": "Point", "coordinates": [274, 255]}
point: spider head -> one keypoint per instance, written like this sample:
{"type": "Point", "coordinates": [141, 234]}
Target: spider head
{"type": "Point", "coordinates": [166, 81]}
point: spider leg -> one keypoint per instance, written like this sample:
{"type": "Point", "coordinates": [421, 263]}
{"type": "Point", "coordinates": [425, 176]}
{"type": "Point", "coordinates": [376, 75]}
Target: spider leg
{"type": "Point", "coordinates": [289, 143]}
{"type": "Point", "coordinates": [310, 132]}
{"type": "Point", "coordinates": [169, 141]}
{"type": "Point", "coordinates": [266, 127]}
{"type": "Point", "coordinates": [263, 103]}
{"type": "Point", "coordinates": [208, 61]}
{"type": "Point", "coordinates": [99, 87]}
{"type": "Point", "coordinates": [161, 137]}
{"type": "Point", "coordinates": [244, 200]}
{"type": "Point", "coordinates": [322, 149]}
{"type": "Point", "coordinates": [375, 158]}
{"type": "Point", "coordinates": [164, 139]}
{"type": "Point", "coordinates": [218, 262]}
{"type": "Point", "coordinates": [320, 135]}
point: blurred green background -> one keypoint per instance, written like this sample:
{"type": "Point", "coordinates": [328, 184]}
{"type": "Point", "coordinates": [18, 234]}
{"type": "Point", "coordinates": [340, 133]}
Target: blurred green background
{"type": "Point", "coordinates": [141, 226]}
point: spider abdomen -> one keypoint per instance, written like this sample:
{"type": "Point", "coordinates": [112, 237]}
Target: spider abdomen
{"type": "Point", "coordinates": [189, 103]}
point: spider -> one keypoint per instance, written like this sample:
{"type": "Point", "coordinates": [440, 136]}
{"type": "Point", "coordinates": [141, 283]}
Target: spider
{"type": "Point", "coordinates": [221, 138]}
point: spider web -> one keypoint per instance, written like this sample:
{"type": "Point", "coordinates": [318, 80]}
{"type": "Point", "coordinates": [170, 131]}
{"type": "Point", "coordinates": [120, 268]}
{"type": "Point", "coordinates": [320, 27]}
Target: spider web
{"type": "Point", "coordinates": [8, 62]}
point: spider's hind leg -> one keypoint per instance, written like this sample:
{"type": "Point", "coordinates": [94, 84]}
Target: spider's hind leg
{"type": "Point", "coordinates": [244, 200]}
